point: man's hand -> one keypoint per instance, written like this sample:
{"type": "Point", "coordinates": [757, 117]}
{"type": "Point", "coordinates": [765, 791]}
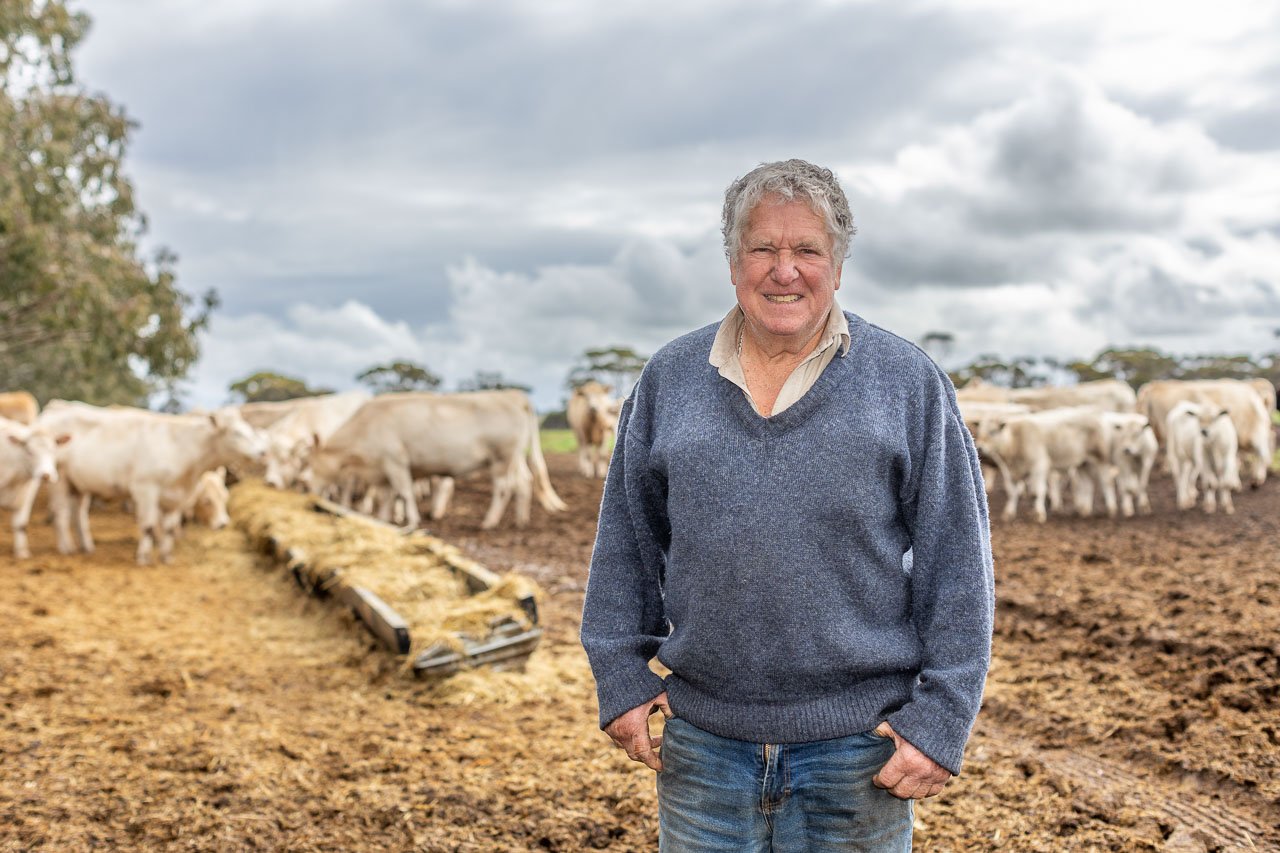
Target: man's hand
{"type": "Point", "coordinates": [909, 774]}
{"type": "Point", "coordinates": [631, 731]}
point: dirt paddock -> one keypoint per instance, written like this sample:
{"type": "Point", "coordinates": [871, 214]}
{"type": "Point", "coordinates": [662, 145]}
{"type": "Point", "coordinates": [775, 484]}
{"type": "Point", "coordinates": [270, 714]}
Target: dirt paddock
{"type": "Point", "coordinates": [1133, 703]}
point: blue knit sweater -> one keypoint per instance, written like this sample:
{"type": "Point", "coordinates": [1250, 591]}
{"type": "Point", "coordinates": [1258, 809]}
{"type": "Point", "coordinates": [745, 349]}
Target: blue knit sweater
{"type": "Point", "coordinates": [762, 559]}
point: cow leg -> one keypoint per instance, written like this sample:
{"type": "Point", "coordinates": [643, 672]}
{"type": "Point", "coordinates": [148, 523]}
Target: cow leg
{"type": "Point", "coordinates": [1040, 485]}
{"type": "Point", "coordinates": [169, 528]}
{"type": "Point", "coordinates": [21, 516]}
{"type": "Point", "coordinates": [1186, 485]}
{"type": "Point", "coordinates": [402, 484]}
{"type": "Point", "coordinates": [1082, 491]}
{"type": "Point", "coordinates": [83, 533]}
{"type": "Point", "coordinates": [60, 505]}
{"type": "Point", "coordinates": [1228, 506]}
{"type": "Point", "coordinates": [1209, 484]}
{"type": "Point", "coordinates": [1012, 489]}
{"type": "Point", "coordinates": [502, 487]}
{"type": "Point", "coordinates": [441, 492]}
{"type": "Point", "coordinates": [1127, 487]}
{"type": "Point", "coordinates": [585, 464]}
{"type": "Point", "coordinates": [1107, 484]}
{"type": "Point", "coordinates": [522, 482]}
{"type": "Point", "coordinates": [146, 504]}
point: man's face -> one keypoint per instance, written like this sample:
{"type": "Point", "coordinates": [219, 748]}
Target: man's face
{"type": "Point", "coordinates": [785, 274]}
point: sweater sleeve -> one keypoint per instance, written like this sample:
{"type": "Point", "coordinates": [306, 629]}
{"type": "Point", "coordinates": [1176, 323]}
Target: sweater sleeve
{"type": "Point", "coordinates": [623, 621]}
{"type": "Point", "coordinates": [952, 582]}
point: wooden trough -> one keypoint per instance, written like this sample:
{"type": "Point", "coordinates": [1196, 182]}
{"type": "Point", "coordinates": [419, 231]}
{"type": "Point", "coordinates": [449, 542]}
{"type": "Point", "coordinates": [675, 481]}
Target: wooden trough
{"type": "Point", "coordinates": [505, 645]}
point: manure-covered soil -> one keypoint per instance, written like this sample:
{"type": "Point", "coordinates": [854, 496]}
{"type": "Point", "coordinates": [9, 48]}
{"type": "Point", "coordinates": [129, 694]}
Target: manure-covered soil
{"type": "Point", "coordinates": [1133, 703]}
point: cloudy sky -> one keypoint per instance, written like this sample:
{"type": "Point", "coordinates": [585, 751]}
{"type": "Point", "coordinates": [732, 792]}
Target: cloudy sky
{"type": "Point", "coordinates": [501, 185]}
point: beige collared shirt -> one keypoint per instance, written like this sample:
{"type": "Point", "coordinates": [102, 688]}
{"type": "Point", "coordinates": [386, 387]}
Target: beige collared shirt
{"type": "Point", "coordinates": [726, 356]}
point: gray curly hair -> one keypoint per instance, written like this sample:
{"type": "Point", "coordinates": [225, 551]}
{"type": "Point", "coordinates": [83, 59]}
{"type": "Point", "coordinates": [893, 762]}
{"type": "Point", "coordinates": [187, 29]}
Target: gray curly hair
{"type": "Point", "coordinates": [791, 180]}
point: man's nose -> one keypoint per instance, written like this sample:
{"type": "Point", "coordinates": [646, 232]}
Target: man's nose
{"type": "Point", "coordinates": [784, 271]}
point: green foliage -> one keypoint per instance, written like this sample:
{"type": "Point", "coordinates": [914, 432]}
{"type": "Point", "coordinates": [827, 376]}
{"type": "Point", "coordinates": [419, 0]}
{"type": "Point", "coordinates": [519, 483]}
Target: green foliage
{"type": "Point", "coordinates": [1020, 372]}
{"type": "Point", "coordinates": [617, 366]}
{"type": "Point", "coordinates": [1136, 366]}
{"type": "Point", "coordinates": [399, 376]}
{"type": "Point", "coordinates": [267, 387]}
{"type": "Point", "coordinates": [81, 314]}
{"type": "Point", "coordinates": [490, 380]}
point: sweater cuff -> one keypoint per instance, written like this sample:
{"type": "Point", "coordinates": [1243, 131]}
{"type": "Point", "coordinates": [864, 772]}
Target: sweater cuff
{"type": "Point", "coordinates": [941, 739]}
{"type": "Point", "coordinates": [619, 693]}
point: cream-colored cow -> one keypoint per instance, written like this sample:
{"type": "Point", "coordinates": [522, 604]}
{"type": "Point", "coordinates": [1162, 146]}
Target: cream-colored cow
{"type": "Point", "coordinates": [592, 413]}
{"type": "Point", "coordinates": [1202, 446]}
{"type": "Point", "coordinates": [310, 421]}
{"type": "Point", "coordinates": [1030, 447]}
{"type": "Point", "coordinates": [397, 438]}
{"type": "Point", "coordinates": [1108, 395]}
{"type": "Point", "coordinates": [1245, 404]}
{"type": "Point", "coordinates": [1132, 450]}
{"type": "Point", "coordinates": [26, 461]}
{"type": "Point", "coordinates": [19, 406]}
{"type": "Point", "coordinates": [153, 459]}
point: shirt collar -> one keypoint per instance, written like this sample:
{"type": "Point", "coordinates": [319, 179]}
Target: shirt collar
{"type": "Point", "coordinates": [725, 345]}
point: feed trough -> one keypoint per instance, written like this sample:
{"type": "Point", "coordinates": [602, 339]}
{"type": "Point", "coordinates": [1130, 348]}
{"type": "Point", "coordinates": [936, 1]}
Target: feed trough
{"type": "Point", "coordinates": [419, 596]}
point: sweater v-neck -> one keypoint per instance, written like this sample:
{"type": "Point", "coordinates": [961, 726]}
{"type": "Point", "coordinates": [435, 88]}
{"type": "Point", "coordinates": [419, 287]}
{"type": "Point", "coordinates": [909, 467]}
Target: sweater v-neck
{"type": "Point", "coordinates": [836, 373]}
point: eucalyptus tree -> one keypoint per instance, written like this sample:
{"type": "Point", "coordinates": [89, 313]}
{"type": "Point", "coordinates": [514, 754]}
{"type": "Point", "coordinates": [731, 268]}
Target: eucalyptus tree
{"type": "Point", "coordinates": [82, 313]}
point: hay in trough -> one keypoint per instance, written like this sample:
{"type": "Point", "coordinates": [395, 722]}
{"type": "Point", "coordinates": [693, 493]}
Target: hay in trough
{"type": "Point", "coordinates": [413, 576]}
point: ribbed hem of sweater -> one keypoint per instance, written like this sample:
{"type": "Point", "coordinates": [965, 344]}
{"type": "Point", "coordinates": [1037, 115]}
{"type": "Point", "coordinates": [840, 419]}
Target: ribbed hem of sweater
{"type": "Point", "coordinates": [858, 708]}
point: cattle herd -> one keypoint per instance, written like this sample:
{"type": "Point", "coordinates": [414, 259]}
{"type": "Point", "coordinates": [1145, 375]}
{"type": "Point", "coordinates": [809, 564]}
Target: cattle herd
{"type": "Point", "coordinates": [387, 453]}
{"type": "Point", "coordinates": [381, 453]}
{"type": "Point", "coordinates": [1101, 436]}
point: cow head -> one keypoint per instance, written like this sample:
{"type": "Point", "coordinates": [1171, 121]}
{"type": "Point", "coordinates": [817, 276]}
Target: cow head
{"type": "Point", "coordinates": [38, 448]}
{"type": "Point", "coordinates": [238, 438]}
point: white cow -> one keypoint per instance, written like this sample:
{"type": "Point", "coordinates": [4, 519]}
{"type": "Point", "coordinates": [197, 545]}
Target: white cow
{"type": "Point", "coordinates": [153, 459]}
{"type": "Point", "coordinates": [1245, 404]}
{"type": "Point", "coordinates": [1030, 447]}
{"type": "Point", "coordinates": [975, 412]}
{"type": "Point", "coordinates": [1109, 395]}
{"type": "Point", "coordinates": [397, 438]}
{"type": "Point", "coordinates": [1265, 390]}
{"type": "Point", "coordinates": [1184, 449]}
{"type": "Point", "coordinates": [19, 406]}
{"type": "Point", "coordinates": [307, 423]}
{"type": "Point", "coordinates": [593, 416]}
{"type": "Point", "coordinates": [26, 461]}
{"type": "Point", "coordinates": [1132, 451]}
{"type": "Point", "coordinates": [1220, 474]}
{"type": "Point", "coordinates": [207, 503]}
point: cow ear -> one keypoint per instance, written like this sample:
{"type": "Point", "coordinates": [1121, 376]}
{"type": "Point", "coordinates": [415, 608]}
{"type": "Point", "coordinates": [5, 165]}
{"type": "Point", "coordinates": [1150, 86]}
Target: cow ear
{"type": "Point", "coordinates": [62, 439]}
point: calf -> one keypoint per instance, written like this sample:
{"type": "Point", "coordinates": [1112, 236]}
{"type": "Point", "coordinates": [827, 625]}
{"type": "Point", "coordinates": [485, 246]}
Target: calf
{"type": "Point", "coordinates": [26, 461]}
{"type": "Point", "coordinates": [593, 417]}
{"type": "Point", "coordinates": [1030, 447]}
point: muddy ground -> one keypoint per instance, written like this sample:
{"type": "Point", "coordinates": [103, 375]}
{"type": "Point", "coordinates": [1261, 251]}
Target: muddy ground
{"type": "Point", "coordinates": [1133, 703]}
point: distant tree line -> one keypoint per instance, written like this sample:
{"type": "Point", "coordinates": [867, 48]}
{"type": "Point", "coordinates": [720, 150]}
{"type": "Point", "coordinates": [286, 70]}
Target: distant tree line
{"type": "Point", "coordinates": [393, 377]}
{"type": "Point", "coordinates": [1136, 366]}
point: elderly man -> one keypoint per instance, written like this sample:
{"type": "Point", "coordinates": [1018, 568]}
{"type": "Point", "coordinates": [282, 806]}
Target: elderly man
{"type": "Point", "coordinates": [793, 525]}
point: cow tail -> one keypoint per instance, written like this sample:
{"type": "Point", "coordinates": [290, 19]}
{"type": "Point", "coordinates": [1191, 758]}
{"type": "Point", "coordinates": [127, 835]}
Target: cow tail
{"type": "Point", "coordinates": [546, 495]}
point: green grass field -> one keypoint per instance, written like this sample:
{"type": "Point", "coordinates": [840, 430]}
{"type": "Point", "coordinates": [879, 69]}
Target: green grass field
{"type": "Point", "coordinates": [558, 441]}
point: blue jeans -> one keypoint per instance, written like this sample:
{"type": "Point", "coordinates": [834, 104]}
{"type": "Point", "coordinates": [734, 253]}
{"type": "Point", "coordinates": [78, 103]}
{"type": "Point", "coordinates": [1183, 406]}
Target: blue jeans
{"type": "Point", "coordinates": [717, 794]}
